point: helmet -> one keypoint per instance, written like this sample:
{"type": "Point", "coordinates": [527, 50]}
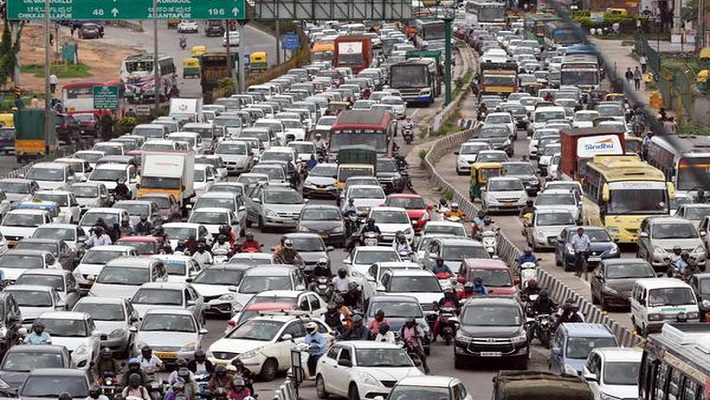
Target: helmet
{"type": "Point", "coordinates": [570, 301]}
{"type": "Point", "coordinates": [183, 372]}
{"type": "Point", "coordinates": [201, 246]}
{"type": "Point", "coordinates": [312, 327]}
{"type": "Point", "coordinates": [220, 370]}
{"type": "Point", "coordinates": [220, 392]}
{"type": "Point", "coordinates": [332, 306]}
{"type": "Point", "coordinates": [529, 203]}
{"type": "Point", "coordinates": [146, 349]}
{"type": "Point", "coordinates": [684, 255]}
{"type": "Point", "coordinates": [371, 221]}
{"type": "Point", "coordinates": [250, 236]}
{"type": "Point", "coordinates": [454, 206]}
{"type": "Point", "coordinates": [237, 363]}
{"type": "Point", "coordinates": [410, 320]}
{"type": "Point", "coordinates": [225, 229]}
{"type": "Point", "coordinates": [199, 353]}
{"type": "Point", "coordinates": [323, 262]}
{"type": "Point", "coordinates": [468, 286]}
{"type": "Point", "coordinates": [144, 217]}
{"type": "Point", "coordinates": [677, 249]}
{"type": "Point", "coordinates": [99, 229]}
{"type": "Point", "coordinates": [487, 220]}
{"type": "Point", "coordinates": [178, 385]}
{"type": "Point", "coordinates": [238, 381]}
{"type": "Point", "coordinates": [106, 352]}
{"type": "Point", "coordinates": [383, 327]}
{"type": "Point", "coordinates": [380, 313]}
{"type": "Point", "coordinates": [544, 295]}
{"type": "Point", "coordinates": [478, 280]}
{"type": "Point", "coordinates": [527, 251]}
{"type": "Point", "coordinates": [357, 318]}
{"type": "Point", "coordinates": [221, 237]}
{"type": "Point", "coordinates": [442, 201]}
{"type": "Point", "coordinates": [342, 271]}
{"type": "Point", "coordinates": [95, 389]}
{"type": "Point", "coordinates": [532, 283]}
{"type": "Point", "coordinates": [65, 396]}
{"type": "Point", "coordinates": [134, 361]}
{"type": "Point", "coordinates": [288, 243]}
{"type": "Point", "coordinates": [351, 201]}
{"type": "Point", "coordinates": [180, 363]}
{"type": "Point", "coordinates": [134, 379]}
{"type": "Point", "coordinates": [318, 135]}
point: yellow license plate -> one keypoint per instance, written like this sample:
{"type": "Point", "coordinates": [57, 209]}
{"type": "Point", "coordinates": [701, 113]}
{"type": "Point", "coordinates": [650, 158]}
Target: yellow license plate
{"type": "Point", "coordinates": [166, 355]}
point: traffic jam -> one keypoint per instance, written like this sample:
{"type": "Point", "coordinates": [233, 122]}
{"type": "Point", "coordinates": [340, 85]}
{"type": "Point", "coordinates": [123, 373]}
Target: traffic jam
{"type": "Point", "coordinates": [285, 218]}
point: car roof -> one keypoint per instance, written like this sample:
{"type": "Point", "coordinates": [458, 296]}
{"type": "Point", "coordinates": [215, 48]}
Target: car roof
{"type": "Point", "coordinates": [620, 261]}
{"type": "Point", "coordinates": [111, 247]}
{"type": "Point", "coordinates": [657, 283]}
{"type": "Point", "coordinates": [270, 270]}
{"type": "Point", "coordinates": [46, 271]}
{"type": "Point", "coordinates": [393, 299]}
{"type": "Point", "coordinates": [102, 300]}
{"type": "Point", "coordinates": [491, 300]}
{"type": "Point", "coordinates": [388, 208]}
{"type": "Point", "coordinates": [65, 315]}
{"type": "Point", "coordinates": [619, 353]}
{"type": "Point", "coordinates": [38, 253]}
{"type": "Point", "coordinates": [39, 240]}
{"type": "Point", "coordinates": [27, 211]}
{"type": "Point", "coordinates": [430, 381]}
{"type": "Point", "coordinates": [668, 219]}
{"type": "Point", "coordinates": [585, 329]}
{"type": "Point", "coordinates": [37, 348]}
{"type": "Point", "coordinates": [373, 248]}
{"type": "Point", "coordinates": [53, 191]}
{"type": "Point", "coordinates": [410, 272]}
{"type": "Point", "coordinates": [485, 263]}
{"type": "Point", "coordinates": [459, 241]}
{"type": "Point", "coordinates": [212, 210]}
{"type": "Point", "coordinates": [366, 344]}
{"type": "Point", "coordinates": [179, 311]}
{"type": "Point", "coordinates": [56, 371]}
{"type": "Point", "coordinates": [131, 261]}
{"type": "Point", "coordinates": [165, 285]}
{"type": "Point", "coordinates": [280, 293]}
{"type": "Point", "coordinates": [59, 226]}
{"type": "Point", "coordinates": [36, 288]}
{"type": "Point", "coordinates": [138, 239]}
{"type": "Point", "coordinates": [227, 195]}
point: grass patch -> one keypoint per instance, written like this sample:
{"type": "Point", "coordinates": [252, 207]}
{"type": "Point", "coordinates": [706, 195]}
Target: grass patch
{"type": "Point", "coordinates": [692, 129]}
{"type": "Point", "coordinates": [451, 125]}
{"type": "Point", "coordinates": [62, 71]}
{"type": "Point", "coordinates": [651, 37]}
{"type": "Point", "coordinates": [680, 63]}
{"type": "Point", "coordinates": [462, 83]}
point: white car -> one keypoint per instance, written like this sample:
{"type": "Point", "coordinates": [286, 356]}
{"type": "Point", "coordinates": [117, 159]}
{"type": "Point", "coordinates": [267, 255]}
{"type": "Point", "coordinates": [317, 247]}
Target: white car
{"type": "Point", "coordinates": [504, 194]}
{"type": "Point", "coordinates": [584, 118]}
{"type": "Point", "coordinates": [34, 300]}
{"type": "Point", "coordinates": [90, 195]}
{"type": "Point", "coordinates": [236, 155]}
{"type": "Point", "coordinates": [233, 38]}
{"type": "Point", "coordinates": [304, 149]}
{"type": "Point", "coordinates": [495, 55]}
{"type": "Point", "coordinates": [559, 199]}
{"type": "Point", "coordinates": [542, 132]}
{"type": "Point", "coordinates": [167, 295]}
{"type": "Point", "coordinates": [365, 197]}
{"type": "Point", "coordinates": [391, 220]}
{"type": "Point", "coordinates": [14, 262]}
{"type": "Point", "coordinates": [74, 236]}
{"type": "Point", "coordinates": [111, 216]}
{"type": "Point", "coordinates": [177, 231]}
{"type": "Point", "coordinates": [94, 261]}
{"type": "Point", "coordinates": [108, 174]}
{"type": "Point", "coordinates": [294, 129]}
{"type": "Point", "coordinates": [423, 285]}
{"type": "Point", "coordinates": [205, 177]}
{"type": "Point", "coordinates": [362, 257]}
{"type": "Point", "coordinates": [22, 223]}
{"type": "Point", "coordinates": [180, 268]}
{"type": "Point", "coordinates": [363, 369]}
{"type": "Point", "coordinates": [272, 300]}
{"type": "Point", "coordinates": [444, 228]}
{"type": "Point", "coordinates": [263, 344]}
{"type": "Point", "coordinates": [77, 332]}
{"type": "Point", "coordinates": [398, 105]}
{"type": "Point", "coordinates": [214, 282]}
{"type": "Point", "coordinates": [501, 118]}
{"type": "Point", "coordinates": [612, 372]}
{"type": "Point", "coordinates": [186, 26]}
{"type": "Point", "coordinates": [467, 154]}
{"type": "Point", "coordinates": [172, 333]}
{"type": "Point", "coordinates": [66, 201]}
{"type": "Point", "coordinates": [214, 217]}
{"type": "Point", "coordinates": [433, 387]}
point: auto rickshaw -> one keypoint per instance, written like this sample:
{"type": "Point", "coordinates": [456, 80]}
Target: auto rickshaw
{"type": "Point", "coordinates": [480, 172]}
{"type": "Point", "coordinates": [335, 107]}
{"type": "Point", "coordinates": [258, 61]}
{"type": "Point", "coordinates": [191, 67]}
{"type": "Point", "coordinates": [198, 51]}
{"type": "Point", "coordinates": [618, 97]}
{"type": "Point", "coordinates": [7, 120]}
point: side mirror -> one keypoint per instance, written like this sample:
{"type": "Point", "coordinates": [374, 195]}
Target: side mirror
{"type": "Point", "coordinates": [255, 200]}
{"type": "Point", "coordinates": [82, 239]}
{"type": "Point", "coordinates": [133, 329]}
{"type": "Point", "coordinates": [286, 336]}
{"type": "Point", "coordinates": [643, 235]}
{"type": "Point", "coordinates": [345, 363]}
{"type": "Point", "coordinates": [191, 303]}
{"type": "Point", "coordinates": [588, 376]}
{"type": "Point", "coordinates": [241, 208]}
{"type": "Point", "coordinates": [329, 248]}
{"type": "Point", "coordinates": [232, 289]}
{"type": "Point", "coordinates": [203, 331]}
{"type": "Point", "coordinates": [556, 351]}
{"type": "Point", "coordinates": [456, 153]}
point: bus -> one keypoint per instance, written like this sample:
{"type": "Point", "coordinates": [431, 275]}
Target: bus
{"type": "Point", "coordinates": [138, 74]}
{"type": "Point", "coordinates": [620, 191]}
{"type": "Point", "coordinates": [78, 97]}
{"type": "Point", "coordinates": [676, 363]}
{"type": "Point", "coordinates": [432, 30]}
{"type": "Point", "coordinates": [534, 25]}
{"type": "Point", "coordinates": [417, 80]}
{"type": "Point", "coordinates": [322, 51]}
{"type": "Point", "coordinates": [685, 161]}
{"type": "Point", "coordinates": [562, 34]}
{"type": "Point", "coordinates": [487, 13]}
{"type": "Point", "coordinates": [580, 70]}
{"type": "Point", "coordinates": [374, 128]}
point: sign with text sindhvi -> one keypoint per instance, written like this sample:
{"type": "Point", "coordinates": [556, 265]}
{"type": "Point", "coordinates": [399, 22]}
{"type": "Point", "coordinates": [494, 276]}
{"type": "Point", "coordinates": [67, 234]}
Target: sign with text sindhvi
{"type": "Point", "coordinates": [126, 9]}
{"type": "Point", "coordinates": [105, 97]}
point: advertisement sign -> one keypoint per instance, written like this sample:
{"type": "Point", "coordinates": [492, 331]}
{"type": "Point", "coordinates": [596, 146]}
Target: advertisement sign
{"type": "Point", "coordinates": [599, 146]}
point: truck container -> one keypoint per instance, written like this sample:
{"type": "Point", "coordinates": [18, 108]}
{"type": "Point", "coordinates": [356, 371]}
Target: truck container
{"type": "Point", "coordinates": [539, 385]}
{"type": "Point", "coordinates": [186, 110]}
{"type": "Point", "coordinates": [168, 172]}
{"type": "Point", "coordinates": [354, 52]}
{"type": "Point", "coordinates": [580, 145]}
{"type": "Point", "coordinates": [31, 140]}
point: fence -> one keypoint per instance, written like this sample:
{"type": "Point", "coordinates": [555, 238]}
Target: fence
{"type": "Point", "coordinates": [286, 391]}
{"type": "Point", "coordinates": [507, 251]}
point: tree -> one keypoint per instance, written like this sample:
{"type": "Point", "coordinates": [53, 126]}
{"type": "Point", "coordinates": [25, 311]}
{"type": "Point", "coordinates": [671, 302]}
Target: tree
{"type": "Point", "coordinates": [8, 50]}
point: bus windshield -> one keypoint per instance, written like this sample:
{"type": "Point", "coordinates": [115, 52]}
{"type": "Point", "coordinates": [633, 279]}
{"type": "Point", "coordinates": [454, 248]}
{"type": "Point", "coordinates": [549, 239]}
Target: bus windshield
{"type": "Point", "coordinates": [579, 77]}
{"type": "Point", "coordinates": [139, 66]}
{"type": "Point", "coordinates": [693, 175]}
{"type": "Point", "coordinates": [376, 140]}
{"type": "Point", "coordinates": [637, 201]}
{"type": "Point", "coordinates": [413, 76]}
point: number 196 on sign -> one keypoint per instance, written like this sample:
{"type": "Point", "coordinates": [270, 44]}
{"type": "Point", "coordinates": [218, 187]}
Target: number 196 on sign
{"type": "Point", "coordinates": [216, 12]}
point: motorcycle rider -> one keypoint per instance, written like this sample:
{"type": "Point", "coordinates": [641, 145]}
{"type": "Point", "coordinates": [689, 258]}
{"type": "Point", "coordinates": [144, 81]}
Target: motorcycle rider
{"type": "Point", "coordinates": [222, 245]}
{"type": "Point", "coordinates": [449, 300]}
{"type": "Point", "coordinates": [333, 318]}
{"type": "Point", "coordinates": [287, 254]}
{"type": "Point", "coordinates": [316, 346]}
{"type": "Point", "coordinates": [679, 261]}
{"type": "Point", "coordinates": [467, 292]}
{"type": "Point", "coordinates": [250, 243]}
{"type": "Point", "coordinates": [105, 366]}
{"type": "Point", "coordinates": [527, 209]}
{"type": "Point", "coordinates": [401, 245]}
{"type": "Point", "coordinates": [371, 227]}
{"type": "Point", "coordinates": [200, 365]}
{"type": "Point", "coordinates": [342, 282]}
{"type": "Point", "coordinates": [482, 111]}
{"type": "Point", "coordinates": [443, 207]}
{"type": "Point", "coordinates": [321, 269]}
{"type": "Point", "coordinates": [358, 331]}
{"type": "Point", "coordinates": [349, 208]}
{"type": "Point", "coordinates": [408, 126]}
{"type": "Point", "coordinates": [144, 227]}
{"type": "Point", "coordinates": [478, 223]}
{"type": "Point", "coordinates": [240, 370]}
{"type": "Point", "coordinates": [121, 192]}
{"type": "Point", "coordinates": [95, 393]}
{"type": "Point", "coordinates": [455, 212]}
{"type": "Point", "coordinates": [384, 334]}
{"type": "Point", "coordinates": [374, 325]}
{"type": "Point", "coordinates": [531, 289]}
{"type": "Point", "coordinates": [126, 229]}
{"type": "Point", "coordinates": [345, 314]}
{"type": "Point", "coordinates": [183, 41]}
{"type": "Point", "coordinates": [570, 313]}
{"type": "Point", "coordinates": [227, 231]}
{"type": "Point", "coordinates": [177, 392]}
{"type": "Point", "coordinates": [542, 305]}
{"type": "Point", "coordinates": [135, 388]}
{"type": "Point", "coordinates": [185, 376]}
{"type": "Point", "coordinates": [441, 268]}
{"type": "Point", "coordinates": [311, 163]}
{"type": "Point", "coordinates": [134, 368]}
{"type": "Point", "coordinates": [319, 142]}
{"type": "Point", "coordinates": [239, 390]}
{"type": "Point", "coordinates": [478, 286]}
{"type": "Point", "coordinates": [526, 257]}
{"type": "Point", "coordinates": [148, 359]}
{"type": "Point", "coordinates": [412, 334]}
{"type": "Point", "coordinates": [38, 335]}
{"type": "Point", "coordinates": [99, 238]}
{"type": "Point", "coordinates": [202, 256]}
{"type": "Point", "coordinates": [219, 380]}
{"type": "Point", "coordinates": [180, 363]}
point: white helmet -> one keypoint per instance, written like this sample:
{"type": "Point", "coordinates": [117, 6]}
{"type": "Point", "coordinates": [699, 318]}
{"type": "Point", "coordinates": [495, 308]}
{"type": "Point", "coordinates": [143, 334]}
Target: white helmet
{"type": "Point", "coordinates": [312, 327]}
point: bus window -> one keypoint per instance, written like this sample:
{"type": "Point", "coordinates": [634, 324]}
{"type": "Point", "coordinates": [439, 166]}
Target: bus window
{"type": "Point", "coordinates": [690, 389]}
{"type": "Point", "coordinates": [661, 375]}
{"type": "Point", "coordinates": [674, 385]}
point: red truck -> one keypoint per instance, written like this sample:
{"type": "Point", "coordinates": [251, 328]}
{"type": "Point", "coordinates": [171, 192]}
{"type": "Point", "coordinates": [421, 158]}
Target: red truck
{"type": "Point", "coordinates": [354, 52]}
{"type": "Point", "coordinates": [579, 145]}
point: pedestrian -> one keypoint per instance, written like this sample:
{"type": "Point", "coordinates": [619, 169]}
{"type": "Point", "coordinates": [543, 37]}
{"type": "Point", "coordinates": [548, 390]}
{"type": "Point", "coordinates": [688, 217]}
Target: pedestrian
{"type": "Point", "coordinates": [637, 78]}
{"type": "Point", "coordinates": [643, 60]}
{"type": "Point", "coordinates": [629, 76]}
{"type": "Point", "coordinates": [581, 245]}
{"type": "Point", "coordinates": [34, 103]}
{"type": "Point", "coordinates": [670, 125]}
{"type": "Point", "coordinates": [53, 81]}
{"type": "Point", "coordinates": [72, 30]}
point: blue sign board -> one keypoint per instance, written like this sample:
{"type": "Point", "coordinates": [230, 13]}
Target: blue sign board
{"type": "Point", "coordinates": [247, 59]}
{"type": "Point", "coordinates": [290, 41]}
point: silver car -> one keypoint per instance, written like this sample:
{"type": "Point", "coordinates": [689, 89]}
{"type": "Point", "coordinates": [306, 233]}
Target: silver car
{"type": "Point", "coordinates": [114, 317]}
{"type": "Point", "coordinates": [659, 235]}
{"type": "Point", "coordinates": [559, 199]}
{"type": "Point", "coordinates": [274, 207]}
{"type": "Point", "coordinates": [544, 227]}
{"type": "Point", "coordinates": [171, 333]}
{"type": "Point", "coordinates": [169, 295]}
{"type": "Point", "coordinates": [504, 194]}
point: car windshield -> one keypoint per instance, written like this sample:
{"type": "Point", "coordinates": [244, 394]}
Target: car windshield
{"type": "Point", "coordinates": [65, 327]}
{"type": "Point", "coordinates": [163, 297]}
{"type": "Point", "coordinates": [455, 230]}
{"type": "Point", "coordinates": [21, 261]}
{"type": "Point", "coordinates": [674, 231]}
{"type": "Point", "coordinates": [23, 220]}
{"type": "Point", "coordinates": [578, 348]}
{"type": "Point", "coordinates": [231, 148]}
{"type": "Point", "coordinates": [199, 175]}
{"type": "Point", "coordinates": [32, 298]}
{"type": "Point", "coordinates": [52, 386]}
{"type": "Point", "coordinates": [20, 361]}
{"type": "Point", "coordinates": [223, 202]}
{"type": "Point", "coordinates": [371, 257]}
{"type": "Point", "coordinates": [282, 197]}
{"type": "Point", "coordinates": [67, 234]}
{"type": "Point", "coordinates": [458, 253]}
{"type": "Point", "coordinates": [259, 283]}
{"type": "Point", "coordinates": [696, 212]}
{"type": "Point", "coordinates": [670, 297]}
{"type": "Point", "coordinates": [492, 315]}
{"type": "Point", "coordinates": [148, 247]}
{"type": "Point", "coordinates": [493, 277]}
{"type": "Point", "coordinates": [505, 185]}
{"type": "Point", "coordinates": [45, 174]}
{"type": "Point", "coordinates": [610, 110]}
{"type": "Point", "coordinates": [597, 235]}
{"type": "Point", "coordinates": [90, 218]}
{"type": "Point", "coordinates": [175, 267]}
{"type": "Point", "coordinates": [122, 275]}
{"type": "Point", "coordinates": [53, 281]}
{"type": "Point", "coordinates": [174, 232]}
{"type": "Point", "coordinates": [414, 284]}
{"type": "Point", "coordinates": [492, 157]}
{"type": "Point", "coordinates": [49, 247]}
{"type": "Point", "coordinates": [313, 243]}
{"type": "Point", "coordinates": [409, 203]}
{"type": "Point", "coordinates": [555, 219]}
{"type": "Point", "coordinates": [273, 172]}
{"type": "Point", "coordinates": [256, 330]}
{"type": "Point", "coordinates": [621, 373]}
{"type": "Point", "coordinates": [107, 175]}
{"type": "Point", "coordinates": [162, 202]}
{"type": "Point", "coordinates": [519, 169]}
{"type": "Point", "coordinates": [386, 166]}
{"type": "Point", "coordinates": [629, 270]}
{"type": "Point", "coordinates": [84, 191]}
{"type": "Point", "coordinates": [209, 218]}
{"type": "Point", "coordinates": [328, 171]}
{"type": "Point", "coordinates": [320, 214]}
{"type": "Point", "coordinates": [494, 132]}
{"type": "Point", "coordinates": [100, 256]}
{"type": "Point", "coordinates": [252, 259]}
{"type": "Point", "coordinates": [389, 217]}
{"type": "Point", "coordinates": [15, 187]}
{"type": "Point", "coordinates": [382, 358]}
{"type": "Point", "coordinates": [554, 200]}
{"type": "Point", "coordinates": [400, 309]}
{"type": "Point", "coordinates": [473, 148]}
{"type": "Point", "coordinates": [219, 276]}
{"type": "Point", "coordinates": [61, 199]}
{"type": "Point", "coordinates": [135, 209]}
{"type": "Point", "coordinates": [367, 193]}
{"type": "Point", "coordinates": [401, 392]}
{"type": "Point", "coordinates": [272, 299]}
{"type": "Point", "coordinates": [101, 311]}
{"type": "Point", "coordinates": [168, 322]}
{"type": "Point", "coordinates": [278, 155]}
{"type": "Point", "coordinates": [586, 116]}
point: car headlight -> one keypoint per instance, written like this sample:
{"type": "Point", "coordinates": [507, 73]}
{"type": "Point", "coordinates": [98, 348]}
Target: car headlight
{"type": "Point", "coordinates": [270, 213]}
{"type": "Point", "coordinates": [209, 354]}
{"type": "Point", "coordinates": [520, 338]}
{"type": "Point", "coordinates": [250, 354]}
{"type": "Point", "coordinates": [660, 251]}
{"type": "Point", "coordinates": [356, 274]}
{"type": "Point", "coordinates": [226, 297]}
{"type": "Point", "coordinates": [338, 229]}
{"type": "Point", "coordinates": [491, 199]}
{"type": "Point", "coordinates": [140, 344]}
{"type": "Point", "coordinates": [303, 229]}
{"type": "Point", "coordinates": [706, 303]}
{"type": "Point", "coordinates": [77, 275]}
{"type": "Point", "coordinates": [507, 142]}
{"type": "Point", "coordinates": [3, 332]}
{"type": "Point", "coordinates": [117, 333]}
{"type": "Point", "coordinates": [605, 396]}
{"type": "Point", "coordinates": [570, 248]}
{"type": "Point", "coordinates": [699, 249]}
{"type": "Point", "coordinates": [614, 249]}
{"type": "Point", "coordinates": [82, 349]}
{"type": "Point", "coordinates": [189, 347]}
{"type": "Point", "coordinates": [408, 231]}
{"type": "Point", "coordinates": [368, 379]}
{"type": "Point", "coordinates": [693, 315]}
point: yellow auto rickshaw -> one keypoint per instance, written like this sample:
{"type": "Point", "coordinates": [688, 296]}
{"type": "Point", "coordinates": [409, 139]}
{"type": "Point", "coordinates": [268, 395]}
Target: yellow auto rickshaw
{"type": "Point", "coordinates": [191, 67]}
{"type": "Point", "coordinates": [618, 97]}
{"type": "Point", "coordinates": [258, 61]}
{"type": "Point", "coordinates": [480, 173]}
{"type": "Point", "coordinates": [335, 107]}
{"type": "Point", "coordinates": [198, 51]}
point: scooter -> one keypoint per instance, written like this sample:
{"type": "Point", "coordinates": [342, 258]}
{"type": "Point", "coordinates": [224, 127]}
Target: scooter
{"type": "Point", "coordinates": [370, 239]}
{"type": "Point", "coordinates": [446, 280]}
{"type": "Point", "coordinates": [183, 43]}
{"type": "Point", "coordinates": [528, 271]}
{"type": "Point", "coordinates": [153, 384]}
{"type": "Point", "coordinates": [302, 349]}
{"type": "Point", "coordinates": [490, 241]}
{"type": "Point", "coordinates": [447, 329]}
{"type": "Point", "coordinates": [408, 135]}
{"type": "Point", "coordinates": [324, 288]}
{"type": "Point", "coordinates": [202, 382]}
{"type": "Point", "coordinates": [220, 256]}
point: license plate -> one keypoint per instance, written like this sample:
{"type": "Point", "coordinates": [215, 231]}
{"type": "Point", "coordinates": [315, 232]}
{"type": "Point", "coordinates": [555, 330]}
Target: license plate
{"type": "Point", "coordinates": [594, 259]}
{"type": "Point", "coordinates": [324, 236]}
{"type": "Point", "coordinates": [490, 354]}
{"type": "Point", "coordinates": [166, 355]}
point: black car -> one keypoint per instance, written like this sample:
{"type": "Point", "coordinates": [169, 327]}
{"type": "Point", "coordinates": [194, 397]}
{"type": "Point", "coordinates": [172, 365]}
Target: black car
{"type": "Point", "coordinates": [312, 249]}
{"type": "Point", "coordinates": [602, 246]}
{"type": "Point", "coordinates": [7, 140]}
{"type": "Point", "coordinates": [324, 220]}
{"type": "Point", "coordinates": [388, 175]}
{"type": "Point", "coordinates": [10, 321]}
{"type": "Point", "coordinates": [701, 286]}
{"type": "Point", "coordinates": [613, 280]}
{"type": "Point", "coordinates": [526, 173]}
{"type": "Point", "coordinates": [20, 360]}
{"type": "Point", "coordinates": [499, 135]}
{"type": "Point", "coordinates": [91, 31]}
{"type": "Point", "coordinates": [214, 28]}
{"type": "Point", "coordinates": [491, 327]}
{"type": "Point", "coordinates": [67, 128]}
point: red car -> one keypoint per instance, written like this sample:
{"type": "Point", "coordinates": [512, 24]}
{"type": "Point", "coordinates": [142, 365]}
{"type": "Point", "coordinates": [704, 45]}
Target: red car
{"type": "Point", "coordinates": [417, 210]}
{"type": "Point", "coordinates": [497, 277]}
{"type": "Point", "coordinates": [144, 245]}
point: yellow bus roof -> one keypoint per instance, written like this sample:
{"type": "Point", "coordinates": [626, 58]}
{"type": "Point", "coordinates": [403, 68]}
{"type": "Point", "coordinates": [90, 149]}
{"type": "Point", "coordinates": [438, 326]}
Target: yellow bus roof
{"type": "Point", "coordinates": [626, 167]}
{"type": "Point", "coordinates": [323, 46]}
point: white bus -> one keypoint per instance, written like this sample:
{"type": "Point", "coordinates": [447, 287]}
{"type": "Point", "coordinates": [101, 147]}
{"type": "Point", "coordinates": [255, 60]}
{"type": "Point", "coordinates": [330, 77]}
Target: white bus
{"type": "Point", "coordinates": [580, 70]}
{"type": "Point", "coordinates": [684, 160]}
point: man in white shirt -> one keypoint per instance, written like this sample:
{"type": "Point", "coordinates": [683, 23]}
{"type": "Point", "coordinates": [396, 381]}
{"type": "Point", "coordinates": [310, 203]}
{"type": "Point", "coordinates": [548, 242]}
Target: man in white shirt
{"type": "Point", "coordinates": [385, 334]}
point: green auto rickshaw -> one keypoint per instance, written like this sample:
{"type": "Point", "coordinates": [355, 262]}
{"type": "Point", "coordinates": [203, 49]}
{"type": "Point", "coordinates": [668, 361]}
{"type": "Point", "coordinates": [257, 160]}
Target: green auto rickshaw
{"type": "Point", "coordinates": [480, 172]}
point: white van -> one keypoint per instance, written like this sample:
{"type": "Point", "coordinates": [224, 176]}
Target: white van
{"type": "Point", "coordinates": [193, 139]}
{"type": "Point", "coordinates": [543, 114]}
{"type": "Point", "coordinates": [655, 301]}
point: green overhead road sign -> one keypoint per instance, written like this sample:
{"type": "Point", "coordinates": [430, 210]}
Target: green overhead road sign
{"type": "Point", "coordinates": [126, 9]}
{"type": "Point", "coordinates": [105, 97]}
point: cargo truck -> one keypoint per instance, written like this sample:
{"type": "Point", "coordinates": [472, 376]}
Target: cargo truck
{"type": "Point", "coordinates": [498, 78]}
{"type": "Point", "coordinates": [580, 145]}
{"type": "Point", "coordinates": [539, 385]}
{"type": "Point", "coordinates": [170, 172]}
{"type": "Point", "coordinates": [31, 140]}
{"type": "Point", "coordinates": [354, 52]}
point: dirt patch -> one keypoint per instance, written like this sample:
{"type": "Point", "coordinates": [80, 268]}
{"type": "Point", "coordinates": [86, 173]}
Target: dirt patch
{"type": "Point", "coordinates": [103, 58]}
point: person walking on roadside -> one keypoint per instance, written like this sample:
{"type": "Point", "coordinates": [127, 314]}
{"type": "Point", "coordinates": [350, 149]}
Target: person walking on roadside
{"type": "Point", "coordinates": [670, 125]}
{"type": "Point", "coordinates": [581, 245]}
{"type": "Point", "coordinates": [643, 60]}
{"type": "Point", "coordinates": [53, 82]}
{"type": "Point", "coordinates": [637, 78]}
{"type": "Point", "coordinates": [629, 76]}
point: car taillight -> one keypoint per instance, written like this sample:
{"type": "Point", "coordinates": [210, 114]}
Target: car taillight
{"type": "Point", "coordinates": [231, 323]}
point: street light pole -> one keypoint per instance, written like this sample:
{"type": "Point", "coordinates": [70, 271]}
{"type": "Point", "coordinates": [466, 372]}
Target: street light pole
{"type": "Point", "coordinates": [48, 120]}
{"type": "Point", "coordinates": [156, 69]}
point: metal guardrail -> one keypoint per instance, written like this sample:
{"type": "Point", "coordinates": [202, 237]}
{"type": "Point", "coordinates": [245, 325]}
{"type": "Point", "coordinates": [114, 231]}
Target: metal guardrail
{"type": "Point", "coordinates": [508, 252]}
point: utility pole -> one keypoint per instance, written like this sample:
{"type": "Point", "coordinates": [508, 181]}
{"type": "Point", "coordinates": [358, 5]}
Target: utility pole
{"type": "Point", "coordinates": [240, 57]}
{"type": "Point", "coordinates": [48, 120]}
{"type": "Point", "coordinates": [230, 64]}
{"type": "Point", "coordinates": [447, 58]}
{"type": "Point", "coordinates": [278, 43]}
{"type": "Point", "coordinates": [156, 69]}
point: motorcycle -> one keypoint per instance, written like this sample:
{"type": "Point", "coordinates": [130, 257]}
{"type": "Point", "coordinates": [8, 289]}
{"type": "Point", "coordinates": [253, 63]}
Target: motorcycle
{"type": "Point", "coordinates": [482, 115]}
{"type": "Point", "coordinates": [447, 329]}
{"type": "Point", "coordinates": [370, 239]}
{"type": "Point", "coordinates": [153, 384]}
{"type": "Point", "coordinates": [108, 385]}
{"type": "Point", "coordinates": [183, 43]}
{"type": "Point", "coordinates": [220, 256]}
{"type": "Point", "coordinates": [408, 134]}
{"type": "Point", "coordinates": [489, 239]}
{"type": "Point", "coordinates": [528, 271]}
{"type": "Point", "coordinates": [324, 288]}
{"type": "Point", "coordinates": [543, 330]}
{"type": "Point", "coordinates": [446, 280]}
{"type": "Point", "coordinates": [302, 349]}
{"type": "Point", "coordinates": [352, 223]}
{"type": "Point", "coordinates": [202, 381]}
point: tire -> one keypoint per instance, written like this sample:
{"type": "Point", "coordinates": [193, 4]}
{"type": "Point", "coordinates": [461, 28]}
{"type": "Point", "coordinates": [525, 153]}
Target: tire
{"type": "Point", "coordinates": [448, 340]}
{"type": "Point", "coordinates": [523, 363]}
{"type": "Point", "coordinates": [458, 362]}
{"type": "Point", "coordinates": [269, 370]}
{"type": "Point", "coordinates": [353, 393]}
{"type": "Point", "coordinates": [320, 388]}
{"type": "Point", "coordinates": [595, 300]}
{"type": "Point", "coordinates": [545, 340]}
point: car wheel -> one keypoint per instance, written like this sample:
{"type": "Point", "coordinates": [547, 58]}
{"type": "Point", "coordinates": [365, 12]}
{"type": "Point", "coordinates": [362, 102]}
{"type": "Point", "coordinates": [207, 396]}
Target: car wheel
{"type": "Point", "coordinates": [320, 388]}
{"type": "Point", "coordinates": [353, 393]}
{"type": "Point", "coordinates": [595, 299]}
{"type": "Point", "coordinates": [458, 362]}
{"type": "Point", "coordinates": [269, 370]}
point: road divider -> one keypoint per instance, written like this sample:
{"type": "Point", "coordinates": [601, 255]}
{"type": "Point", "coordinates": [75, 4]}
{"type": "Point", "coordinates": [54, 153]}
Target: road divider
{"type": "Point", "coordinates": [507, 251]}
